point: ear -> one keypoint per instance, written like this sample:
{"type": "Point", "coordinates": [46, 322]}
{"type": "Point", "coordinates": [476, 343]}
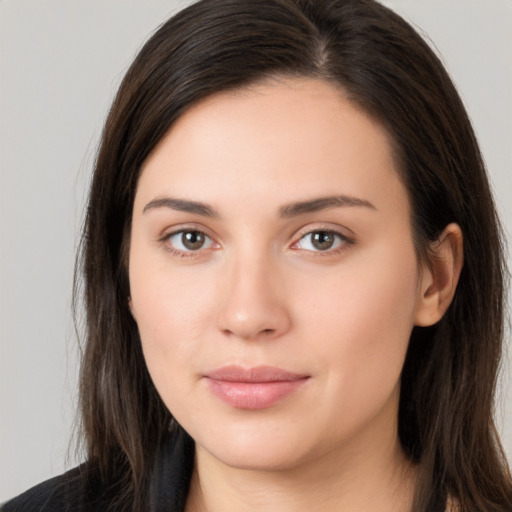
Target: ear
{"type": "Point", "coordinates": [130, 306]}
{"type": "Point", "coordinates": [440, 276]}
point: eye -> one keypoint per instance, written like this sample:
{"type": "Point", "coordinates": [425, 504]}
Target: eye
{"type": "Point", "coordinates": [321, 241]}
{"type": "Point", "coordinates": [189, 240]}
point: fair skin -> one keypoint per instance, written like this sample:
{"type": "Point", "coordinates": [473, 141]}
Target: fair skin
{"type": "Point", "coordinates": [271, 228]}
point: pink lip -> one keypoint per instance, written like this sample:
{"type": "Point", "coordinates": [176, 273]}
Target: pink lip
{"type": "Point", "coordinates": [253, 388]}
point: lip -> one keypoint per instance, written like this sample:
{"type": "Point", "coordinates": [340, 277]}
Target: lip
{"type": "Point", "coordinates": [253, 388]}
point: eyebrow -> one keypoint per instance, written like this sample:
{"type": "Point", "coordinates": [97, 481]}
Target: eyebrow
{"type": "Point", "coordinates": [286, 211]}
{"type": "Point", "coordinates": [182, 205]}
{"type": "Point", "coordinates": [322, 203]}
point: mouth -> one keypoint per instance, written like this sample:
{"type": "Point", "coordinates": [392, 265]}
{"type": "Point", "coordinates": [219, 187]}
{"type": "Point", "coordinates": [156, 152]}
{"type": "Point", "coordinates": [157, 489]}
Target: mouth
{"type": "Point", "coordinates": [260, 387]}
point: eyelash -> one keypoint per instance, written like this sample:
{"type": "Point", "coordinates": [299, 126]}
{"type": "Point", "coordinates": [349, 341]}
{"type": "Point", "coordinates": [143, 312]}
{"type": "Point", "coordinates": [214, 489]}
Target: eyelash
{"type": "Point", "coordinates": [343, 242]}
{"type": "Point", "coordinates": [165, 241]}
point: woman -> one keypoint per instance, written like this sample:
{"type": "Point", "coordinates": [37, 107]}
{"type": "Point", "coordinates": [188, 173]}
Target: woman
{"type": "Point", "coordinates": [293, 275]}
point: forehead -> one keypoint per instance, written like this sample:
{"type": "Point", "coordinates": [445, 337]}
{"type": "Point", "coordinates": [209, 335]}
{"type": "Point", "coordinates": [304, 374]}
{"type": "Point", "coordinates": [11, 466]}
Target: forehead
{"type": "Point", "coordinates": [273, 142]}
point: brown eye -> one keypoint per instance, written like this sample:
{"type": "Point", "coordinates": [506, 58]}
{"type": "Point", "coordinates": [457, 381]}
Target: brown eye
{"type": "Point", "coordinates": [321, 241]}
{"type": "Point", "coordinates": [190, 240]}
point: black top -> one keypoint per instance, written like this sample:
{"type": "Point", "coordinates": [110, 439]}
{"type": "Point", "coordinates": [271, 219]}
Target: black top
{"type": "Point", "coordinates": [72, 492]}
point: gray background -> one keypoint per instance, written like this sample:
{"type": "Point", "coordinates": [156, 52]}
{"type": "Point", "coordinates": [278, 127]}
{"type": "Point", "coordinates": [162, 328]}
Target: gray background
{"type": "Point", "coordinates": [60, 64]}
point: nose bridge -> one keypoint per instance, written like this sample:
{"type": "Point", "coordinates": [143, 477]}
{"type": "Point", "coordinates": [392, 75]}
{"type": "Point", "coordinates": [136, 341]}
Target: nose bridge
{"type": "Point", "coordinates": [254, 302]}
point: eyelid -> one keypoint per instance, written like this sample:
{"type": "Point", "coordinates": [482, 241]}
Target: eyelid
{"type": "Point", "coordinates": [329, 228]}
{"type": "Point", "coordinates": [341, 232]}
{"type": "Point", "coordinates": [169, 232]}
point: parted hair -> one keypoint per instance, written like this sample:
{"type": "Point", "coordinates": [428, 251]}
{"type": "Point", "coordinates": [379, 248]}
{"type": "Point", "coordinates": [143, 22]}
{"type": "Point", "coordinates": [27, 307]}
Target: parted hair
{"type": "Point", "coordinates": [384, 67]}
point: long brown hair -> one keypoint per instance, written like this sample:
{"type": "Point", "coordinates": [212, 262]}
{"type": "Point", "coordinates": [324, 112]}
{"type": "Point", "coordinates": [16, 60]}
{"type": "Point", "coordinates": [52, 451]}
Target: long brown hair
{"type": "Point", "coordinates": [449, 377]}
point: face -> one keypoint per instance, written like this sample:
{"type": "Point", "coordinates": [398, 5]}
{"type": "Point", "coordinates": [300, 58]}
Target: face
{"type": "Point", "coordinates": [273, 275]}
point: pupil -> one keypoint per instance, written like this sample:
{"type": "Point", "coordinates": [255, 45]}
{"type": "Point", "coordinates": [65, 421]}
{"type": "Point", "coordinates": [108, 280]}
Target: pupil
{"type": "Point", "coordinates": [323, 240]}
{"type": "Point", "coordinates": [193, 240]}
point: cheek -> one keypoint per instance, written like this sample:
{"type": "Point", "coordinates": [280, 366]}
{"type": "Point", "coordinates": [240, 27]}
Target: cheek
{"type": "Point", "coordinates": [172, 311]}
{"type": "Point", "coordinates": [358, 332]}
{"type": "Point", "coordinates": [363, 319]}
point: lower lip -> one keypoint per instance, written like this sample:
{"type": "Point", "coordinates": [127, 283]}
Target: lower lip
{"type": "Point", "coordinates": [253, 395]}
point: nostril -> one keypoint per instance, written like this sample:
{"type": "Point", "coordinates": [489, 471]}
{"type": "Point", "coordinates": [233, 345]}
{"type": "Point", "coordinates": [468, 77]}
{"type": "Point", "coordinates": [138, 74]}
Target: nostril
{"type": "Point", "coordinates": [249, 335]}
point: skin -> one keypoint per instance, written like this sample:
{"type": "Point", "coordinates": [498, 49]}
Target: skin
{"type": "Point", "coordinates": [259, 292]}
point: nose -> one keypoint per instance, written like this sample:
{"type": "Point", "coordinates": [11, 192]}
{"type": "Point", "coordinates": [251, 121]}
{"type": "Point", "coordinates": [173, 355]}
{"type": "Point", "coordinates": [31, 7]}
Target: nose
{"type": "Point", "coordinates": [254, 301]}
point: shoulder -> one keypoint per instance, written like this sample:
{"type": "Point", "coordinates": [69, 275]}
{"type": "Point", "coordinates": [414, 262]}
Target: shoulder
{"type": "Point", "coordinates": [71, 491]}
{"type": "Point", "coordinates": [83, 490]}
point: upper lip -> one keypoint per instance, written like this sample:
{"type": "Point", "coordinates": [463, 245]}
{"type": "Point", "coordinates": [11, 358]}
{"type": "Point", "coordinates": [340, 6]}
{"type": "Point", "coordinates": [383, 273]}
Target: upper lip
{"type": "Point", "coordinates": [234, 373]}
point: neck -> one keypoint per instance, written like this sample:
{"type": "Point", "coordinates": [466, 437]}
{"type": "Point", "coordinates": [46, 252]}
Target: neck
{"type": "Point", "coordinates": [358, 479]}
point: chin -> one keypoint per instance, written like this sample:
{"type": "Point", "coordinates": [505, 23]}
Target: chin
{"type": "Point", "coordinates": [255, 449]}
{"type": "Point", "coordinates": [257, 459]}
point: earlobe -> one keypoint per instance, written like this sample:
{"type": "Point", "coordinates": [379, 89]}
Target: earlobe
{"type": "Point", "coordinates": [130, 306]}
{"type": "Point", "coordinates": [440, 276]}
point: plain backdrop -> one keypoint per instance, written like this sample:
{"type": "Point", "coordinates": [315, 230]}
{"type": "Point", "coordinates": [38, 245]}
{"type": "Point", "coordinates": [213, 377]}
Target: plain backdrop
{"type": "Point", "coordinates": [60, 64]}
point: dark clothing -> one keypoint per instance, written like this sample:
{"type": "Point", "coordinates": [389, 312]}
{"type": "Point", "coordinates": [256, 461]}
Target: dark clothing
{"type": "Point", "coordinates": [74, 492]}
